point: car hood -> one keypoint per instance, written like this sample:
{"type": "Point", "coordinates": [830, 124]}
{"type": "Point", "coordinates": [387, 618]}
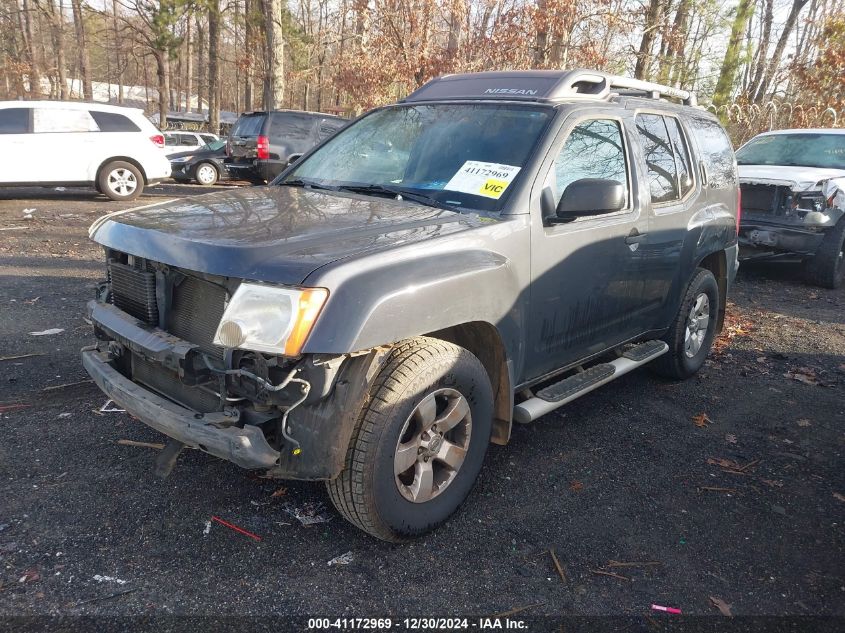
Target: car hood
{"type": "Point", "coordinates": [796, 178]}
{"type": "Point", "coordinates": [275, 234]}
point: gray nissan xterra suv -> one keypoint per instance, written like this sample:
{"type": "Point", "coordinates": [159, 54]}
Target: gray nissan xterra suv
{"type": "Point", "coordinates": [488, 249]}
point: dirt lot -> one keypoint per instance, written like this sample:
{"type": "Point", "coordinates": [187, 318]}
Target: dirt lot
{"type": "Point", "coordinates": [730, 485]}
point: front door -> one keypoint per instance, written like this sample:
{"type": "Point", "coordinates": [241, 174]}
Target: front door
{"type": "Point", "coordinates": [587, 286]}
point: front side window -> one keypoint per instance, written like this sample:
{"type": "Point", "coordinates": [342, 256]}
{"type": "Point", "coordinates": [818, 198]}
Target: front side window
{"type": "Point", "coordinates": [188, 140]}
{"type": "Point", "coordinates": [14, 120]}
{"type": "Point", "coordinates": [593, 149]}
{"type": "Point", "coordinates": [207, 138]}
{"type": "Point", "coordinates": [464, 155]}
{"type": "Point", "coordinates": [55, 120]}
{"type": "Point", "coordinates": [805, 149]}
{"type": "Point", "coordinates": [659, 158]}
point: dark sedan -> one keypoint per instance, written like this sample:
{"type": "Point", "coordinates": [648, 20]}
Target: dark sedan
{"type": "Point", "coordinates": [204, 165]}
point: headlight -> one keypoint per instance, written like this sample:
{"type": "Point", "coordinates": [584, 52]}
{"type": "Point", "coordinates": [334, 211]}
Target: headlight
{"type": "Point", "coordinates": [181, 159]}
{"type": "Point", "coordinates": [270, 319]}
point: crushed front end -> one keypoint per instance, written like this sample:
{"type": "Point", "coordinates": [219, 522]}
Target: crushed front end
{"type": "Point", "coordinates": [156, 356]}
{"type": "Point", "coordinates": [780, 217]}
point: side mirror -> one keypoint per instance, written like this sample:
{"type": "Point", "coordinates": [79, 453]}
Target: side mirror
{"type": "Point", "coordinates": [293, 158]}
{"type": "Point", "coordinates": [591, 196]}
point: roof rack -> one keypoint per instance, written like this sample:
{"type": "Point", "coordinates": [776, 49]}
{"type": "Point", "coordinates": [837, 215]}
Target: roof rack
{"type": "Point", "coordinates": [542, 85]}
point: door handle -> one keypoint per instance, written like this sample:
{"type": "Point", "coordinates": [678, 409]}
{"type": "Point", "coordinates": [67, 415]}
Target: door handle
{"type": "Point", "coordinates": [635, 237]}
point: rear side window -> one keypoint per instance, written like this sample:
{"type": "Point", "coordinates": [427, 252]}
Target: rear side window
{"type": "Point", "coordinates": [113, 122]}
{"type": "Point", "coordinates": [170, 140]}
{"type": "Point", "coordinates": [14, 121]}
{"type": "Point", "coordinates": [716, 152]}
{"type": "Point", "coordinates": [683, 164]}
{"type": "Point", "coordinates": [188, 140]}
{"type": "Point", "coordinates": [329, 127]}
{"type": "Point", "coordinates": [291, 127]}
{"type": "Point", "coordinates": [594, 149]}
{"type": "Point", "coordinates": [249, 125]}
{"type": "Point", "coordinates": [56, 120]}
{"type": "Point", "coordinates": [659, 158]}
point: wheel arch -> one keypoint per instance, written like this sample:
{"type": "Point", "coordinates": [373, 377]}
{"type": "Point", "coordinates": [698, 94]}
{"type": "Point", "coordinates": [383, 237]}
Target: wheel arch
{"type": "Point", "coordinates": [484, 341]}
{"type": "Point", "coordinates": [717, 263]}
{"type": "Point", "coordinates": [125, 159]}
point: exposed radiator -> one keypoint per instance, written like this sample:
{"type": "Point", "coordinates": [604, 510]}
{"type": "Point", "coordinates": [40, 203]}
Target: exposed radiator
{"type": "Point", "coordinates": [134, 291]}
{"type": "Point", "coordinates": [196, 312]}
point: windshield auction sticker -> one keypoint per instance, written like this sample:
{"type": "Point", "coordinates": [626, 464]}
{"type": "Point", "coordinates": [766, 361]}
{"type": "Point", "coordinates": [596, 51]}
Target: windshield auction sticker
{"type": "Point", "coordinates": [482, 179]}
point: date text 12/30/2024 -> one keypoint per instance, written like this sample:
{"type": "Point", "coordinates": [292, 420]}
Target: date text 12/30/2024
{"type": "Point", "coordinates": [416, 624]}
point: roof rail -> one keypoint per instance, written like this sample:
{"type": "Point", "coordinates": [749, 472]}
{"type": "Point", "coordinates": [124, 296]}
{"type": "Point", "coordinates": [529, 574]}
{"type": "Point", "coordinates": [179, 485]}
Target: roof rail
{"type": "Point", "coordinates": [541, 85]}
{"type": "Point", "coordinates": [654, 90]}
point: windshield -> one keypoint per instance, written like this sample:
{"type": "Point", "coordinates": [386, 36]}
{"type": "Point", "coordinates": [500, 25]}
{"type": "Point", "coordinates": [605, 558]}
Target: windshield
{"type": "Point", "coordinates": [462, 155]}
{"type": "Point", "coordinates": [805, 150]}
{"type": "Point", "coordinates": [214, 145]}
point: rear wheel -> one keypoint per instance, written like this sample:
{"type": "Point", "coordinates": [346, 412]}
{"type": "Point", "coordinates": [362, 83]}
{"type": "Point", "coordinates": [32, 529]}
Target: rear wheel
{"type": "Point", "coordinates": [206, 174]}
{"type": "Point", "coordinates": [827, 267]}
{"type": "Point", "coordinates": [693, 330]}
{"type": "Point", "coordinates": [120, 180]}
{"type": "Point", "coordinates": [419, 444]}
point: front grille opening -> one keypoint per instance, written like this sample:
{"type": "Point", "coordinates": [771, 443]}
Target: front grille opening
{"type": "Point", "coordinates": [167, 383]}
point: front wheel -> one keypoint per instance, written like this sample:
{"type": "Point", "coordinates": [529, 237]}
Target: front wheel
{"type": "Point", "coordinates": [419, 443]}
{"type": "Point", "coordinates": [206, 174]}
{"type": "Point", "coordinates": [692, 332]}
{"type": "Point", "coordinates": [827, 267]}
{"type": "Point", "coordinates": [120, 180]}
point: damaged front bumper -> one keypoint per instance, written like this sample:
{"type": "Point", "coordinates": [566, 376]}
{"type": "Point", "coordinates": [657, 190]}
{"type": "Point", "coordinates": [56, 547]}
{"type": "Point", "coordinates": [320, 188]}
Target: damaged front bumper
{"type": "Point", "coordinates": [216, 433]}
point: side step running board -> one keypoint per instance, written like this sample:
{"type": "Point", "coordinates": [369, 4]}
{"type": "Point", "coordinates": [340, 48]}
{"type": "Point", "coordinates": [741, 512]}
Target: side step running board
{"type": "Point", "coordinates": [569, 389]}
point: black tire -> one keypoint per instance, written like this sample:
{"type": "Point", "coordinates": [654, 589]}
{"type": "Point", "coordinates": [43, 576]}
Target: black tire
{"type": "Point", "coordinates": [119, 180]}
{"type": "Point", "coordinates": [677, 363]}
{"type": "Point", "coordinates": [211, 180]}
{"type": "Point", "coordinates": [367, 492]}
{"type": "Point", "coordinates": [827, 267]}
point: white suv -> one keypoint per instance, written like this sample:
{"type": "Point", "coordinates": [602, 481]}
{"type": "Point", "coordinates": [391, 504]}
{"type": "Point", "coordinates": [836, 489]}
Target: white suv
{"type": "Point", "coordinates": [115, 149]}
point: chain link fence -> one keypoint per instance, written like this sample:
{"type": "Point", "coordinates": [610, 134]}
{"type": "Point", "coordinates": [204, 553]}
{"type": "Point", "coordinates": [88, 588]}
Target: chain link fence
{"type": "Point", "coordinates": [745, 120]}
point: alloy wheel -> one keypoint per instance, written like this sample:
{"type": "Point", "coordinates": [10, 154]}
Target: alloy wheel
{"type": "Point", "coordinates": [698, 322]}
{"type": "Point", "coordinates": [432, 445]}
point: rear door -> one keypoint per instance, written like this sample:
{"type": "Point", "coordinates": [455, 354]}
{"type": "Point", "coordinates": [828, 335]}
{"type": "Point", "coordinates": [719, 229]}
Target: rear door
{"type": "Point", "coordinates": [586, 288]}
{"type": "Point", "coordinates": [64, 140]}
{"type": "Point", "coordinates": [17, 162]}
{"type": "Point", "coordinates": [244, 137]}
{"type": "Point", "coordinates": [676, 194]}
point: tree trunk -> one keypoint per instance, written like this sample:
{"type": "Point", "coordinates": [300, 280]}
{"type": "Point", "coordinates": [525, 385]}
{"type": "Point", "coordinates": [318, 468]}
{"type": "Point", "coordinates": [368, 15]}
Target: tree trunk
{"type": "Point", "coordinates": [57, 33]}
{"type": "Point", "coordinates": [117, 53]}
{"type": "Point", "coordinates": [32, 52]}
{"type": "Point", "coordinates": [652, 19]}
{"type": "Point", "coordinates": [768, 75]}
{"type": "Point", "coordinates": [274, 82]}
{"type": "Point", "coordinates": [677, 40]}
{"type": "Point", "coordinates": [249, 47]}
{"type": "Point", "coordinates": [763, 49]}
{"type": "Point", "coordinates": [201, 94]}
{"type": "Point", "coordinates": [82, 47]}
{"type": "Point", "coordinates": [213, 66]}
{"type": "Point", "coordinates": [189, 65]}
{"type": "Point", "coordinates": [730, 64]}
{"type": "Point", "coordinates": [163, 71]}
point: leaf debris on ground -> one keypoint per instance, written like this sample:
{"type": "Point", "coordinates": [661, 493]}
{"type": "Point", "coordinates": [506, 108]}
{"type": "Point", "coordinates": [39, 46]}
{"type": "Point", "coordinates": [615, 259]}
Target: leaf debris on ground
{"type": "Point", "coordinates": [701, 420]}
{"type": "Point", "coordinates": [721, 605]}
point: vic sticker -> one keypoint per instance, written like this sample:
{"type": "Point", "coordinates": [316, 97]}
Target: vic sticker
{"type": "Point", "coordinates": [482, 179]}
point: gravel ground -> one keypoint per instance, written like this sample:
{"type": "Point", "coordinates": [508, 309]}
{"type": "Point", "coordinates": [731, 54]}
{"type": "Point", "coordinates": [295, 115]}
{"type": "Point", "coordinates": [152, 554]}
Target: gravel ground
{"type": "Point", "coordinates": [729, 485]}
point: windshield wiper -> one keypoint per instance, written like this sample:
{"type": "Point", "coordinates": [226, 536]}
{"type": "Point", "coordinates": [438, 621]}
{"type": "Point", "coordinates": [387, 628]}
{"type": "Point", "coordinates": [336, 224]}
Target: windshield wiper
{"type": "Point", "coordinates": [299, 182]}
{"type": "Point", "coordinates": [402, 193]}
